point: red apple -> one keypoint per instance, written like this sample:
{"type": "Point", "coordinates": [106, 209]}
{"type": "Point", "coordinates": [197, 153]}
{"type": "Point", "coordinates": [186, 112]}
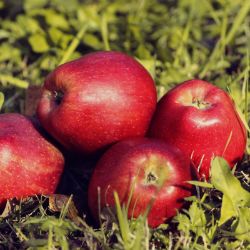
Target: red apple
{"type": "Point", "coordinates": [155, 171]}
{"type": "Point", "coordinates": [29, 164]}
{"type": "Point", "coordinates": [97, 100]}
{"type": "Point", "coordinates": [200, 119]}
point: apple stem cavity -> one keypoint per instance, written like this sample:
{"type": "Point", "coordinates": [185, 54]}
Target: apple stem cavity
{"type": "Point", "coordinates": [58, 96]}
{"type": "Point", "coordinates": [200, 104]}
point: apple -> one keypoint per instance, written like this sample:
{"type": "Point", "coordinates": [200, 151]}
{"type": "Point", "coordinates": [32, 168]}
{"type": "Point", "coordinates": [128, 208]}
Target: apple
{"type": "Point", "coordinates": [201, 120]}
{"type": "Point", "coordinates": [99, 99]}
{"type": "Point", "coordinates": [29, 164]}
{"type": "Point", "coordinates": [155, 172]}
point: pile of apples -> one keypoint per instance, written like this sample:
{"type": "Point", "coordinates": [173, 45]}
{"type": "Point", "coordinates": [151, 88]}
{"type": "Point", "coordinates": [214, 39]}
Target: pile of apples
{"type": "Point", "coordinates": [107, 102]}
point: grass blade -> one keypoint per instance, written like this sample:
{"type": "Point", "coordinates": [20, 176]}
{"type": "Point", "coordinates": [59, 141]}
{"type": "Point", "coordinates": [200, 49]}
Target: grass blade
{"type": "Point", "coordinates": [122, 218]}
{"type": "Point", "coordinates": [104, 32]}
{"type": "Point", "coordinates": [75, 42]}
{"type": "Point", "coordinates": [238, 20]}
{"type": "Point", "coordinates": [201, 184]}
{"type": "Point", "coordinates": [1, 100]}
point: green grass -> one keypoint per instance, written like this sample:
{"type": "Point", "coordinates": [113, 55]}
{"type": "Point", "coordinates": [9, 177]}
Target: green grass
{"type": "Point", "coordinates": [175, 41]}
{"type": "Point", "coordinates": [217, 216]}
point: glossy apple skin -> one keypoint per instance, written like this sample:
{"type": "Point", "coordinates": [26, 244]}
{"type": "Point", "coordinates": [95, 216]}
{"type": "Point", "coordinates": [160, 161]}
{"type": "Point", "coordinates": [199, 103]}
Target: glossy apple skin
{"type": "Point", "coordinates": [127, 166]}
{"type": "Point", "coordinates": [107, 96]}
{"type": "Point", "coordinates": [214, 129]}
{"type": "Point", "coordinates": [29, 164]}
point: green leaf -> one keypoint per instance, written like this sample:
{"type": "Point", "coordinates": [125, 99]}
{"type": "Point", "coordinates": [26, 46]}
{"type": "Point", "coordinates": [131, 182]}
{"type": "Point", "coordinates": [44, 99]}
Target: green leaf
{"type": "Point", "coordinates": [9, 53]}
{"type": "Point", "coordinates": [89, 14]}
{"type": "Point", "coordinates": [223, 180]}
{"type": "Point", "coordinates": [38, 43]}
{"type": "Point", "coordinates": [65, 6]}
{"type": "Point", "coordinates": [59, 38]}
{"type": "Point", "coordinates": [55, 19]}
{"type": "Point", "coordinates": [49, 63]}
{"type": "Point", "coordinates": [92, 41]}
{"type": "Point", "coordinates": [13, 81]}
{"type": "Point", "coordinates": [197, 217]}
{"type": "Point", "coordinates": [4, 34]}
{"type": "Point", "coordinates": [194, 220]}
{"type": "Point", "coordinates": [242, 230]}
{"type": "Point", "coordinates": [15, 29]}
{"type": "Point", "coordinates": [227, 210]}
{"type": "Point", "coordinates": [144, 53]}
{"type": "Point", "coordinates": [55, 35]}
{"type": "Point", "coordinates": [234, 195]}
{"type": "Point", "coordinates": [184, 223]}
{"type": "Point", "coordinates": [30, 25]}
{"type": "Point", "coordinates": [34, 4]}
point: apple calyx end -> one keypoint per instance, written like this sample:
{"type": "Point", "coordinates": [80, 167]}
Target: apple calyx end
{"type": "Point", "coordinates": [151, 178]}
{"type": "Point", "coordinates": [155, 172]}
